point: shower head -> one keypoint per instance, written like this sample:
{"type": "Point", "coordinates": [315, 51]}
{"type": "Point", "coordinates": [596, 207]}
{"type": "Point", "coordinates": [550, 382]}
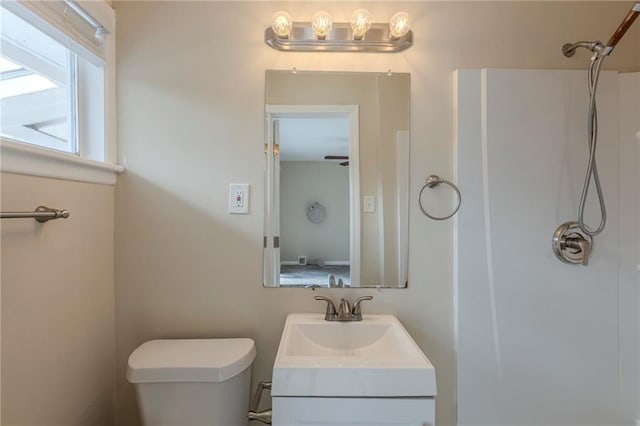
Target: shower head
{"type": "Point", "coordinates": [599, 48]}
{"type": "Point", "coordinates": [569, 49]}
{"type": "Point", "coordinates": [624, 25]}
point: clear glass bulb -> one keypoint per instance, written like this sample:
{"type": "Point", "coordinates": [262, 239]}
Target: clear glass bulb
{"type": "Point", "coordinates": [282, 24]}
{"type": "Point", "coordinates": [321, 24]}
{"type": "Point", "coordinates": [399, 24]}
{"type": "Point", "coordinates": [360, 23]}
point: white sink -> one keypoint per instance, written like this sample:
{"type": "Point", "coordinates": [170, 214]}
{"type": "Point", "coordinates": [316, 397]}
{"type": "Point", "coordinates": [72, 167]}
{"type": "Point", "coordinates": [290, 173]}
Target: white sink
{"type": "Point", "coordinates": [372, 357]}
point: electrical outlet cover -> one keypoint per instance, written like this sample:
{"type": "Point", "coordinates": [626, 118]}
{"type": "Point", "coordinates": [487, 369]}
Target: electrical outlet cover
{"type": "Point", "coordinates": [239, 198]}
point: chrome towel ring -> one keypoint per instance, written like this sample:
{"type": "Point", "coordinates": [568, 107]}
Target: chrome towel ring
{"type": "Point", "coordinates": [432, 182]}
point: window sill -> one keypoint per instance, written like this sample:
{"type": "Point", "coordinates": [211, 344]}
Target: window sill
{"type": "Point", "coordinates": [31, 160]}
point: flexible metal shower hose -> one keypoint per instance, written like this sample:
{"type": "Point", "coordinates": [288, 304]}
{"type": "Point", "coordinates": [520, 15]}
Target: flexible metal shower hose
{"type": "Point", "coordinates": [592, 168]}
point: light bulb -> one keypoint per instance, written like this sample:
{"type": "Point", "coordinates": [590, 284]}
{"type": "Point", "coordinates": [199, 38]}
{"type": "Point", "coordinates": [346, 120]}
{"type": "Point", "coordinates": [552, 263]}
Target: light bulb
{"type": "Point", "coordinates": [282, 24]}
{"type": "Point", "coordinates": [399, 24]}
{"type": "Point", "coordinates": [360, 23]}
{"type": "Point", "coordinates": [321, 23]}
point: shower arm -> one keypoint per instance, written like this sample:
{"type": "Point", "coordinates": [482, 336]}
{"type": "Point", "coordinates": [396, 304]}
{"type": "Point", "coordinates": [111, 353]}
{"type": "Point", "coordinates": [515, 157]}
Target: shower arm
{"type": "Point", "coordinates": [624, 25]}
{"type": "Point", "coordinates": [601, 49]}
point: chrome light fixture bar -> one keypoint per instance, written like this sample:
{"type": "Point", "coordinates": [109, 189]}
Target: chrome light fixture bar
{"type": "Point", "coordinates": [341, 37]}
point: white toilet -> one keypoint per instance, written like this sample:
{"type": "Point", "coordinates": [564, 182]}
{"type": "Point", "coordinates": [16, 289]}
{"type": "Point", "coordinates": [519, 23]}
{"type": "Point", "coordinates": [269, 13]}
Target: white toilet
{"type": "Point", "coordinates": [204, 382]}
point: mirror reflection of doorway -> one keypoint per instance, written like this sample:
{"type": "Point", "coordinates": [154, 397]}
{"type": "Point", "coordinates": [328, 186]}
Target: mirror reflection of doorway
{"type": "Point", "coordinates": [318, 245]}
{"type": "Point", "coordinates": [314, 201]}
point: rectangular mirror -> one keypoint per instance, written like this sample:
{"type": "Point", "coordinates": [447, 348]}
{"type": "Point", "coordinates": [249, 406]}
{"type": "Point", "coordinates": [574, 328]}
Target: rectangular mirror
{"type": "Point", "coordinates": [336, 179]}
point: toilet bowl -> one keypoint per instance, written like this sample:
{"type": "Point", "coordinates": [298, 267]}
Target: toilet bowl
{"type": "Point", "coordinates": [204, 382]}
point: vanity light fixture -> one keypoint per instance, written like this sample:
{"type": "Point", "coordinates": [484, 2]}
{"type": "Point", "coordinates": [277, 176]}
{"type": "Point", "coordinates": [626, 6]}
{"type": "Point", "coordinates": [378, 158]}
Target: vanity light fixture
{"type": "Point", "coordinates": [322, 35]}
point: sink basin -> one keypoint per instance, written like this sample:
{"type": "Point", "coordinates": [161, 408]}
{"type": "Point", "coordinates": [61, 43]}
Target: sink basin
{"type": "Point", "coordinates": [372, 357]}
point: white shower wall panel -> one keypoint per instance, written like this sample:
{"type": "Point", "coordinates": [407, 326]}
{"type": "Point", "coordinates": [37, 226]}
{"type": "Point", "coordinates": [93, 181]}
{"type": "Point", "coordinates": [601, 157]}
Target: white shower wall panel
{"type": "Point", "coordinates": [630, 224]}
{"type": "Point", "coordinates": [538, 340]}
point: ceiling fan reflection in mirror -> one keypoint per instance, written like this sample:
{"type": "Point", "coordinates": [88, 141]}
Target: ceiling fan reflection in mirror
{"type": "Point", "coordinates": [338, 157]}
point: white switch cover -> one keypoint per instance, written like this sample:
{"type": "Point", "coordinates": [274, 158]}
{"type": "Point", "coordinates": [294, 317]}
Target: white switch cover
{"type": "Point", "coordinates": [369, 204]}
{"type": "Point", "coordinates": [238, 198]}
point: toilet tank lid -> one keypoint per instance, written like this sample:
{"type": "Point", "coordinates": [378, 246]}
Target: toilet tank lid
{"type": "Point", "coordinates": [190, 360]}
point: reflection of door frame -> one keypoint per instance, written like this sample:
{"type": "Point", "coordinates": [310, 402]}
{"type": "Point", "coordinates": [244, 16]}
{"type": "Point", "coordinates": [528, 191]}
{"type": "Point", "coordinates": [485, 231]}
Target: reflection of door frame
{"type": "Point", "coordinates": [274, 112]}
{"type": "Point", "coordinates": [270, 248]}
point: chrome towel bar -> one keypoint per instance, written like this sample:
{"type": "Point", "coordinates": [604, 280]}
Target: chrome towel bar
{"type": "Point", "coordinates": [41, 214]}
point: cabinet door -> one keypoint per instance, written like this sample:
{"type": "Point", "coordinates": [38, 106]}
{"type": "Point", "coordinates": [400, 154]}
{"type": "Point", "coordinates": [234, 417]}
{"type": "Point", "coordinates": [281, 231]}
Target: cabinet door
{"type": "Point", "coordinates": [353, 411]}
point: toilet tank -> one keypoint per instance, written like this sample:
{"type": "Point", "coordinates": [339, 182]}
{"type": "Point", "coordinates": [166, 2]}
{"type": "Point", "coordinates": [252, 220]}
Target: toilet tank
{"type": "Point", "coordinates": [188, 382]}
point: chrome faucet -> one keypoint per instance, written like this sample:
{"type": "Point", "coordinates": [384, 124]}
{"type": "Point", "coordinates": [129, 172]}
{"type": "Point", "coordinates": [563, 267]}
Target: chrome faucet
{"type": "Point", "coordinates": [345, 311]}
{"type": "Point", "coordinates": [332, 280]}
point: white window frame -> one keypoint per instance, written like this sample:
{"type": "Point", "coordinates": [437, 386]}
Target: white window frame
{"type": "Point", "coordinates": [92, 164]}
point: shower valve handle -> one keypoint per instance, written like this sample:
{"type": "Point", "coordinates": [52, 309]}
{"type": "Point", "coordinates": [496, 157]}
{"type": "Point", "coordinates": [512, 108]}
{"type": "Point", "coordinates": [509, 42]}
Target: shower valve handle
{"type": "Point", "coordinates": [572, 246]}
{"type": "Point", "coordinates": [583, 246]}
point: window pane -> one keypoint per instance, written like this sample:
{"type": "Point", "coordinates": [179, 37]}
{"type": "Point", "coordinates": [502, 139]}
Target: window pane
{"type": "Point", "coordinates": [8, 65]}
{"type": "Point", "coordinates": [24, 84]}
{"type": "Point", "coordinates": [37, 86]}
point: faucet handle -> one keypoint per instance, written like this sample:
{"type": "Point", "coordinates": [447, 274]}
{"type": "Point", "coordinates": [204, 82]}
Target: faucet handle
{"type": "Point", "coordinates": [356, 312]}
{"type": "Point", "coordinates": [330, 314]}
{"type": "Point", "coordinates": [581, 247]}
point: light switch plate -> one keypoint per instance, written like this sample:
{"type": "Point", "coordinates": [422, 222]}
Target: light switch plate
{"type": "Point", "coordinates": [369, 204]}
{"type": "Point", "coordinates": [238, 198]}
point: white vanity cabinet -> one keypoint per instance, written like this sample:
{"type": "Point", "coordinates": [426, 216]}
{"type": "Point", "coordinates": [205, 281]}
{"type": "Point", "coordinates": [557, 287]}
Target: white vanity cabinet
{"type": "Point", "coordinates": [310, 411]}
{"type": "Point", "coordinates": [365, 373]}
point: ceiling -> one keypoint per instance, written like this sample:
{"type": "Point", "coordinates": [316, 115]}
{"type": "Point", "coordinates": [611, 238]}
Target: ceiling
{"type": "Point", "coordinates": [310, 139]}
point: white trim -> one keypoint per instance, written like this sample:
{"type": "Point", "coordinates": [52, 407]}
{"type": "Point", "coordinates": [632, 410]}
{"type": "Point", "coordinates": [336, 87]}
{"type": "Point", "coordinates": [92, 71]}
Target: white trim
{"type": "Point", "coordinates": [326, 263]}
{"type": "Point", "coordinates": [110, 121]}
{"type": "Point", "coordinates": [337, 263]}
{"type": "Point", "coordinates": [275, 225]}
{"type": "Point", "coordinates": [271, 254]}
{"type": "Point", "coordinates": [16, 157]}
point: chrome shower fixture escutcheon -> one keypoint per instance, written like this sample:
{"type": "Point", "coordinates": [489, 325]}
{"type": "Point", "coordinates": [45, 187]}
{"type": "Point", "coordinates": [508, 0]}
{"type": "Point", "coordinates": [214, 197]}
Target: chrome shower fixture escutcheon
{"type": "Point", "coordinates": [571, 245]}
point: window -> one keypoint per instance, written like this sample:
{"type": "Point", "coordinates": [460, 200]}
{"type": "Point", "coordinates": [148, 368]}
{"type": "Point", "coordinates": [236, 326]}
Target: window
{"type": "Point", "coordinates": [56, 74]}
{"type": "Point", "coordinates": [38, 87]}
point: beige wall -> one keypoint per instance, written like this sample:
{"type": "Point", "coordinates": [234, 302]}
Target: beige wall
{"type": "Point", "coordinates": [58, 337]}
{"type": "Point", "coordinates": [303, 183]}
{"type": "Point", "coordinates": [396, 112]}
{"type": "Point", "coordinates": [191, 120]}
